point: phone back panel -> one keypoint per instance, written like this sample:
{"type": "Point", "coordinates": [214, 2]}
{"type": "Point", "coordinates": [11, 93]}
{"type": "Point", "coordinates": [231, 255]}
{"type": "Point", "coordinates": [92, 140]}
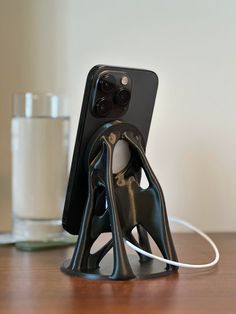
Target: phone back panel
{"type": "Point", "coordinates": [139, 113]}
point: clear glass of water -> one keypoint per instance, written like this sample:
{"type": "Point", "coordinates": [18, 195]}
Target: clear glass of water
{"type": "Point", "coordinates": [40, 140]}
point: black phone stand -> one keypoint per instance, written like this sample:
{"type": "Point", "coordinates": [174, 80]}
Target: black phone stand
{"type": "Point", "coordinates": [116, 203]}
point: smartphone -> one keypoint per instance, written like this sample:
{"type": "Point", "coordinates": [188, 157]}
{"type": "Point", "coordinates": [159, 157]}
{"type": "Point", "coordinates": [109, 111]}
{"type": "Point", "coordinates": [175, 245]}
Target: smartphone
{"type": "Point", "coordinates": [111, 93]}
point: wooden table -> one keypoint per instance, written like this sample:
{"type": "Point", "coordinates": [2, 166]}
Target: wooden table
{"type": "Point", "coordinates": [33, 283]}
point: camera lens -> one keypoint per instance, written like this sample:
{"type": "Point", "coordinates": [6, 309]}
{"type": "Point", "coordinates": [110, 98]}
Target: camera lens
{"type": "Point", "coordinates": [122, 97]}
{"type": "Point", "coordinates": [102, 107]}
{"type": "Point", "coordinates": [107, 83]}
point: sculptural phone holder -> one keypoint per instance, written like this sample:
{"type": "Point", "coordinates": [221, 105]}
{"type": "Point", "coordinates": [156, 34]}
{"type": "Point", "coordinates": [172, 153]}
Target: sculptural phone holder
{"type": "Point", "coordinates": [117, 203]}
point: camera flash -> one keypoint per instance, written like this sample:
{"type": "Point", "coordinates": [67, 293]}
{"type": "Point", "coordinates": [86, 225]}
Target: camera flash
{"type": "Point", "coordinates": [124, 80]}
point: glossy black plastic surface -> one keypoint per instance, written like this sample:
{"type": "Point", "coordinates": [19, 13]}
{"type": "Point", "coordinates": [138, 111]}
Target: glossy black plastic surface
{"type": "Point", "coordinates": [127, 206]}
{"type": "Point", "coordinates": [139, 111]}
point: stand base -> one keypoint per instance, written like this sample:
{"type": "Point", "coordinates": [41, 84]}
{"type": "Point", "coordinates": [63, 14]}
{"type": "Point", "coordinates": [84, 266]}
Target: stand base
{"type": "Point", "coordinates": [144, 270]}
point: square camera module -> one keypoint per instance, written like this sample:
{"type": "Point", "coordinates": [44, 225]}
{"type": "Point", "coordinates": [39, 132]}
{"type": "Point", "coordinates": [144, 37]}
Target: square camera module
{"type": "Point", "coordinates": [112, 94]}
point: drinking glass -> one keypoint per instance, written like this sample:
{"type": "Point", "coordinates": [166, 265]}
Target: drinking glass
{"type": "Point", "coordinates": [40, 139]}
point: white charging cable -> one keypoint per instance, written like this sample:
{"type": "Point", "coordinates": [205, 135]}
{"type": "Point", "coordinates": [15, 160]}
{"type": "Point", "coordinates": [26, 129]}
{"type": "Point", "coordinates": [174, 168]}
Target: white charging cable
{"type": "Point", "coordinates": [179, 264]}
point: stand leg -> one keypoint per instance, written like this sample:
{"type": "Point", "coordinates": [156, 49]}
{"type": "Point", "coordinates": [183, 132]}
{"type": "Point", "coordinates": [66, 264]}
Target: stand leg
{"type": "Point", "coordinates": [159, 227]}
{"type": "Point", "coordinates": [144, 243]}
{"type": "Point", "coordinates": [122, 268]}
{"type": "Point", "coordinates": [78, 258]}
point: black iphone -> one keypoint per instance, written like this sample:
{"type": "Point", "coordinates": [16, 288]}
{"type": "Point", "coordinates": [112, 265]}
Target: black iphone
{"type": "Point", "coordinates": [111, 93]}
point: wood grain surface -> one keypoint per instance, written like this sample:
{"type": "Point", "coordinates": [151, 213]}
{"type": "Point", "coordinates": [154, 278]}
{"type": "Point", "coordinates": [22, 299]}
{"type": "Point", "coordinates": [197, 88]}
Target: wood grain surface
{"type": "Point", "coordinates": [33, 283]}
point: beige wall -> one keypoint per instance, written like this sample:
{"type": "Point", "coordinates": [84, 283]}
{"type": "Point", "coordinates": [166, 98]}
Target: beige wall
{"type": "Point", "coordinates": [51, 45]}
